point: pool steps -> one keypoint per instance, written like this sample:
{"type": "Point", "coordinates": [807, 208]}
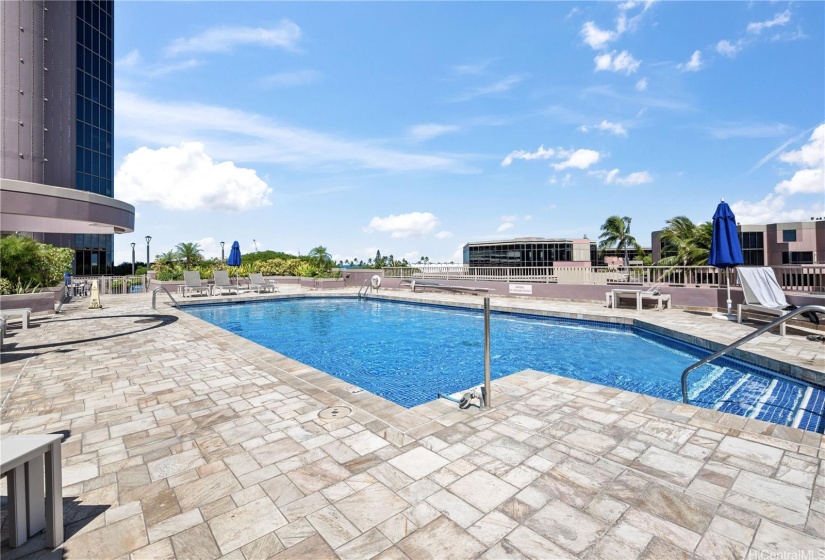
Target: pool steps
{"type": "Point", "coordinates": [775, 400]}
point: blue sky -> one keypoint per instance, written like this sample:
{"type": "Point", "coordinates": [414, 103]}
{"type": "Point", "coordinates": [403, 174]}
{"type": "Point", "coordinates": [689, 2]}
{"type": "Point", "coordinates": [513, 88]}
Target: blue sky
{"type": "Point", "coordinates": [416, 127]}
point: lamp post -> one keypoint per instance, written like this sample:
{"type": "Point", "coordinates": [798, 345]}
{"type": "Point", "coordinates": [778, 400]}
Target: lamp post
{"type": "Point", "coordinates": [148, 239]}
{"type": "Point", "coordinates": [222, 257]}
{"type": "Point", "coordinates": [133, 259]}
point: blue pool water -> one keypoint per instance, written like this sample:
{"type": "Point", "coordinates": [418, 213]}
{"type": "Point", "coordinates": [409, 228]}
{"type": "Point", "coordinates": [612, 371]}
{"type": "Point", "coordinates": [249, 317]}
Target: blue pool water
{"type": "Point", "coordinates": [408, 353]}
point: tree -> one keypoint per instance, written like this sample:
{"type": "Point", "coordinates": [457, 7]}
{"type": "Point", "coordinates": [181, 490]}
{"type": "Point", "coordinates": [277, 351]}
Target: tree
{"type": "Point", "coordinates": [189, 253]}
{"type": "Point", "coordinates": [321, 257]}
{"type": "Point", "coordinates": [379, 260]}
{"type": "Point", "coordinates": [616, 233]}
{"type": "Point", "coordinates": [685, 243]}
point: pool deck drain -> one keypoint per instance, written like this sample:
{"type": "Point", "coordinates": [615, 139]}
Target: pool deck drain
{"type": "Point", "coordinates": [186, 441]}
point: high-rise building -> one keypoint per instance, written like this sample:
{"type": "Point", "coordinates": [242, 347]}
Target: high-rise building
{"type": "Point", "coordinates": [58, 120]}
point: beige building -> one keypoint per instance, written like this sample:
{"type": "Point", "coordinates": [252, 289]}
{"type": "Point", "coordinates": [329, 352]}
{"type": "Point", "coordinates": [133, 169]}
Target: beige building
{"type": "Point", "coordinates": [773, 244]}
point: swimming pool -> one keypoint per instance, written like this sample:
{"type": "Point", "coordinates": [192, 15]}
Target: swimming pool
{"type": "Point", "coordinates": [408, 353]}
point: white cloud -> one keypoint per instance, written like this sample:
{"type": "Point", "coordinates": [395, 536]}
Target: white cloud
{"type": "Point", "coordinates": [290, 79]}
{"type": "Point", "coordinates": [781, 18]}
{"type": "Point", "coordinates": [472, 69]}
{"type": "Point", "coordinates": [133, 64]}
{"type": "Point", "coordinates": [607, 126]}
{"type": "Point", "coordinates": [771, 209]}
{"type": "Point", "coordinates": [692, 65]}
{"type": "Point", "coordinates": [185, 177]}
{"type": "Point", "coordinates": [750, 130]}
{"type": "Point", "coordinates": [130, 60]}
{"type": "Point", "coordinates": [612, 176]}
{"type": "Point", "coordinates": [422, 132]}
{"type": "Point", "coordinates": [580, 159]}
{"type": "Point", "coordinates": [541, 153]}
{"type": "Point", "coordinates": [811, 157]}
{"type": "Point", "coordinates": [222, 39]}
{"type": "Point", "coordinates": [567, 180]}
{"type": "Point", "coordinates": [444, 235]}
{"type": "Point", "coordinates": [505, 226]}
{"type": "Point", "coordinates": [622, 62]}
{"type": "Point", "coordinates": [404, 225]}
{"type": "Point", "coordinates": [241, 136]}
{"type": "Point", "coordinates": [501, 86]}
{"type": "Point", "coordinates": [728, 49]}
{"type": "Point", "coordinates": [595, 37]}
{"type": "Point", "coordinates": [641, 85]}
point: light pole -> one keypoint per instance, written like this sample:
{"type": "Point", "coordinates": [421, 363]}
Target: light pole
{"type": "Point", "coordinates": [222, 258]}
{"type": "Point", "coordinates": [148, 239]}
{"type": "Point", "coordinates": [133, 259]}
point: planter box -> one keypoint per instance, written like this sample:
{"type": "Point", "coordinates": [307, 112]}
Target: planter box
{"type": "Point", "coordinates": [322, 283]}
{"type": "Point", "coordinates": [39, 302]}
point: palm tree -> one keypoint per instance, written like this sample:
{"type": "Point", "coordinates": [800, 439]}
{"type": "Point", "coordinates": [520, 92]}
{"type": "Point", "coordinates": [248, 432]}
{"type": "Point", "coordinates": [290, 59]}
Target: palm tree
{"type": "Point", "coordinates": [616, 233]}
{"type": "Point", "coordinates": [189, 253]}
{"type": "Point", "coordinates": [321, 257]}
{"type": "Point", "coordinates": [688, 244]}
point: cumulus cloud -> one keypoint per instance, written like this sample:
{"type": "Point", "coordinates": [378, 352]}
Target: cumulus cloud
{"type": "Point", "coordinates": [185, 177]}
{"type": "Point", "coordinates": [291, 79]}
{"type": "Point", "coordinates": [692, 65]}
{"type": "Point", "coordinates": [422, 132]}
{"type": "Point", "coordinates": [811, 157]}
{"type": "Point", "coordinates": [728, 49]}
{"type": "Point", "coordinates": [607, 126]}
{"type": "Point", "coordinates": [641, 85]}
{"type": "Point", "coordinates": [781, 18]}
{"type": "Point", "coordinates": [622, 62]}
{"type": "Point", "coordinates": [285, 35]}
{"type": "Point", "coordinates": [404, 225]}
{"type": "Point", "coordinates": [580, 159]}
{"type": "Point", "coordinates": [595, 37]}
{"type": "Point", "coordinates": [771, 209]}
{"type": "Point", "coordinates": [612, 177]}
{"type": "Point", "coordinates": [541, 153]}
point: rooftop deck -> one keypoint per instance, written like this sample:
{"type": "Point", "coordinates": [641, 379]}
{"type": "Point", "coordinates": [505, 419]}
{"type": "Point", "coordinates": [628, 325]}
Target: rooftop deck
{"type": "Point", "coordinates": [186, 441]}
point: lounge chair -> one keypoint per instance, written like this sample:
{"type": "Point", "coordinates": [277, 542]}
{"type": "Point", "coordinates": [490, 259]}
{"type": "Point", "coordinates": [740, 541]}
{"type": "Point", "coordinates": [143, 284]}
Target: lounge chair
{"type": "Point", "coordinates": [222, 282]}
{"type": "Point", "coordinates": [653, 292]}
{"type": "Point", "coordinates": [258, 283]}
{"type": "Point", "coordinates": [192, 283]}
{"type": "Point", "coordinates": [762, 293]}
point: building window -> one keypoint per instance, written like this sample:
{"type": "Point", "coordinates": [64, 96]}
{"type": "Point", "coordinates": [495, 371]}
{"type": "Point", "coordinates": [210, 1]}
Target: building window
{"type": "Point", "coordinates": [797, 257]}
{"type": "Point", "coordinates": [788, 235]}
{"type": "Point", "coordinates": [753, 248]}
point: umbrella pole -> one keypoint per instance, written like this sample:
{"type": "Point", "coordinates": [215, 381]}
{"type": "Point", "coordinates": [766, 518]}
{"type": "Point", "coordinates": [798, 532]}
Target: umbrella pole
{"type": "Point", "coordinates": [727, 274]}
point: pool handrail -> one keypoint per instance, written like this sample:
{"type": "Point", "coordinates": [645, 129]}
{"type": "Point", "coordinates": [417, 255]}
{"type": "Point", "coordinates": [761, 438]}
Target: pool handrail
{"type": "Point", "coordinates": [743, 340]}
{"type": "Point", "coordinates": [155, 294]}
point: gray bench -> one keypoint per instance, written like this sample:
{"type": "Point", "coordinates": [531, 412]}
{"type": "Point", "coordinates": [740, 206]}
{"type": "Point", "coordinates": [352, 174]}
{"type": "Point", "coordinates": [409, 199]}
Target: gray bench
{"type": "Point", "coordinates": [23, 313]}
{"type": "Point", "coordinates": [29, 508]}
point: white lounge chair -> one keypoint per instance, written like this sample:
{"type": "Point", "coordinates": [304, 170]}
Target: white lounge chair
{"type": "Point", "coordinates": [222, 282]}
{"type": "Point", "coordinates": [762, 293]}
{"type": "Point", "coordinates": [258, 283]}
{"type": "Point", "coordinates": [192, 283]}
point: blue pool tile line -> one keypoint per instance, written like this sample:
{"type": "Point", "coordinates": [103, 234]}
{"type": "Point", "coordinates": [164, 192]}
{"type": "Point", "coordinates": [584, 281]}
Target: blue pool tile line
{"type": "Point", "coordinates": [781, 405]}
{"type": "Point", "coordinates": [813, 416]}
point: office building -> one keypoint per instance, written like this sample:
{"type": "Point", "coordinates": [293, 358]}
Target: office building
{"type": "Point", "coordinates": [531, 252]}
{"type": "Point", "coordinates": [58, 125]}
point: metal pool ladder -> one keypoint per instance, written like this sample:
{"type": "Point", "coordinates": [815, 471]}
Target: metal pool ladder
{"type": "Point", "coordinates": [365, 288]}
{"type": "Point", "coordinates": [155, 295]}
{"type": "Point", "coordinates": [743, 340]}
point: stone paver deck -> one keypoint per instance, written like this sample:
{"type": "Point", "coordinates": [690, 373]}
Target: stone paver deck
{"type": "Point", "coordinates": [186, 441]}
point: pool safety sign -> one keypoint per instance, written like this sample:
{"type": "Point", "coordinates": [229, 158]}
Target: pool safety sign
{"type": "Point", "coordinates": [522, 289]}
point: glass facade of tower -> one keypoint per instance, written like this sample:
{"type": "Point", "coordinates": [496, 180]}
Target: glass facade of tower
{"type": "Point", "coordinates": [95, 123]}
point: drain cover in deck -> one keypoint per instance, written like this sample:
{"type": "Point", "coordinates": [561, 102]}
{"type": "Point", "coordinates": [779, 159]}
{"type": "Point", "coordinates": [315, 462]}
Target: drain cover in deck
{"type": "Point", "coordinates": [335, 412]}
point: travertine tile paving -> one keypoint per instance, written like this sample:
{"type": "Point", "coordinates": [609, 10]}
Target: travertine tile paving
{"type": "Point", "coordinates": [185, 441]}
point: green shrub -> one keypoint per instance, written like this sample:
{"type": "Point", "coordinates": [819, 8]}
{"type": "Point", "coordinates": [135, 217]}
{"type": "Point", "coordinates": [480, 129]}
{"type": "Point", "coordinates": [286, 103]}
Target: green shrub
{"type": "Point", "coordinates": [29, 263]}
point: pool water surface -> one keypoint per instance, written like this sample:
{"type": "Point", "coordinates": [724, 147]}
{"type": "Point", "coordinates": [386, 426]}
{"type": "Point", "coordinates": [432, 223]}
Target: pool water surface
{"type": "Point", "coordinates": [408, 353]}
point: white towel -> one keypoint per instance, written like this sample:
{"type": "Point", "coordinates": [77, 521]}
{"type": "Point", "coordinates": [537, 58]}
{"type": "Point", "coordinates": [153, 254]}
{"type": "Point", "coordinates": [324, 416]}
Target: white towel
{"type": "Point", "coordinates": [760, 287]}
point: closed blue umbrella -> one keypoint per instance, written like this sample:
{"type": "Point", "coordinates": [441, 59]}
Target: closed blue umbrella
{"type": "Point", "coordinates": [234, 257]}
{"type": "Point", "coordinates": [725, 249]}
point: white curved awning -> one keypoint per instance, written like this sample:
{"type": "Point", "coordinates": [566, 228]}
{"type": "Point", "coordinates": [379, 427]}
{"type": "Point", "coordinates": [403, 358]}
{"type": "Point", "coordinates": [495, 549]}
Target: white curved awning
{"type": "Point", "coordinates": [32, 207]}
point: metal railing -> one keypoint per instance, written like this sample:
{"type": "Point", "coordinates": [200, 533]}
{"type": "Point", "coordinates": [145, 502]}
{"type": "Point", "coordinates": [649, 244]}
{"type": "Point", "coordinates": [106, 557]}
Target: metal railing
{"type": "Point", "coordinates": [115, 285]}
{"type": "Point", "coordinates": [744, 339]}
{"type": "Point", "coordinates": [155, 294]}
{"type": "Point", "coordinates": [800, 278]}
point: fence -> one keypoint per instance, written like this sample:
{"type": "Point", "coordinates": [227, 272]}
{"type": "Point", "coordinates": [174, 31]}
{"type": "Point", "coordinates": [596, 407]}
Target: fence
{"type": "Point", "coordinates": [113, 284]}
{"type": "Point", "coordinates": [802, 278]}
